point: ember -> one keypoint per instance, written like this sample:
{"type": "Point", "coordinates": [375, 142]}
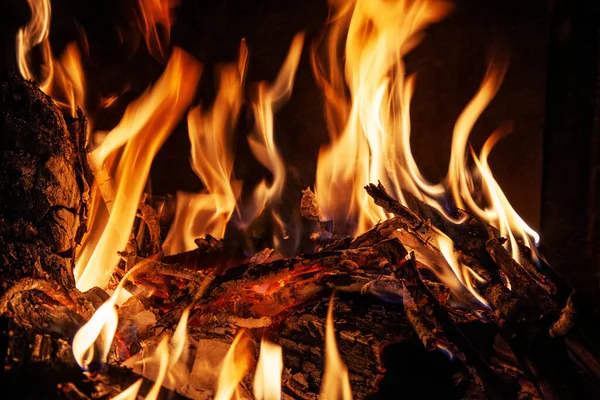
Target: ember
{"type": "Point", "coordinates": [117, 292]}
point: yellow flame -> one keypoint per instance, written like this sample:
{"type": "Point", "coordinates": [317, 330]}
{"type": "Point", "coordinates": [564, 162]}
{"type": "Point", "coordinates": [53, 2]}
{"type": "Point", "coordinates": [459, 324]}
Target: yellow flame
{"type": "Point", "coordinates": [462, 272]}
{"type": "Point", "coordinates": [166, 356]}
{"type": "Point", "coordinates": [131, 392]}
{"type": "Point", "coordinates": [233, 368]}
{"type": "Point", "coordinates": [211, 137]}
{"type": "Point", "coordinates": [374, 144]}
{"type": "Point", "coordinates": [33, 34]}
{"type": "Point", "coordinates": [335, 384]}
{"type": "Point", "coordinates": [146, 124]}
{"type": "Point", "coordinates": [162, 357]}
{"type": "Point", "coordinates": [67, 86]}
{"type": "Point", "coordinates": [262, 141]}
{"type": "Point", "coordinates": [499, 212]}
{"type": "Point", "coordinates": [102, 325]}
{"type": "Point", "coordinates": [267, 378]}
{"type": "Point", "coordinates": [368, 116]}
{"type": "Point", "coordinates": [63, 79]}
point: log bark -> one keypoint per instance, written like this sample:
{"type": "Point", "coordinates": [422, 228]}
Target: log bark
{"type": "Point", "coordinates": [42, 185]}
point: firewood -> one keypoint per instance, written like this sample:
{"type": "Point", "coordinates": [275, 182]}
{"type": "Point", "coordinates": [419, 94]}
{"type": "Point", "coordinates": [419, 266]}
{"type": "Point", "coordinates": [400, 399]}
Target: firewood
{"type": "Point", "coordinates": [42, 184]}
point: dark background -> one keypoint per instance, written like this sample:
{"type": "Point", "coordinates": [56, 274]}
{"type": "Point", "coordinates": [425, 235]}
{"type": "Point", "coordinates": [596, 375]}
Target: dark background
{"type": "Point", "coordinates": [550, 93]}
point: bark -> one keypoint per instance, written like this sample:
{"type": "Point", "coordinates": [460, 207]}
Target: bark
{"type": "Point", "coordinates": [42, 185]}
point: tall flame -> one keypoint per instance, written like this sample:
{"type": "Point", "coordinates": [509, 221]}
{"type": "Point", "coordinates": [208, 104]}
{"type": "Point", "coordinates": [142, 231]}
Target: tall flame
{"type": "Point", "coordinates": [262, 140]}
{"type": "Point", "coordinates": [145, 126]}
{"type": "Point", "coordinates": [370, 127]}
{"type": "Point", "coordinates": [374, 144]}
{"type": "Point", "coordinates": [267, 378]}
{"type": "Point", "coordinates": [211, 137]}
{"type": "Point", "coordinates": [35, 33]}
{"type": "Point", "coordinates": [335, 384]}
{"type": "Point", "coordinates": [62, 79]}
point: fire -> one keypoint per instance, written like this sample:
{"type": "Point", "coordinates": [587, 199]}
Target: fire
{"type": "Point", "coordinates": [374, 142]}
{"type": "Point", "coordinates": [502, 215]}
{"type": "Point", "coordinates": [267, 378]}
{"type": "Point", "coordinates": [102, 325]}
{"type": "Point", "coordinates": [234, 367]}
{"type": "Point", "coordinates": [146, 124]}
{"type": "Point", "coordinates": [370, 128]}
{"type": "Point", "coordinates": [262, 140]}
{"type": "Point", "coordinates": [462, 272]}
{"type": "Point", "coordinates": [499, 212]}
{"type": "Point", "coordinates": [33, 34]}
{"type": "Point", "coordinates": [155, 14]}
{"type": "Point", "coordinates": [131, 392]}
{"type": "Point", "coordinates": [62, 79]}
{"type": "Point", "coordinates": [211, 137]}
{"type": "Point", "coordinates": [335, 383]}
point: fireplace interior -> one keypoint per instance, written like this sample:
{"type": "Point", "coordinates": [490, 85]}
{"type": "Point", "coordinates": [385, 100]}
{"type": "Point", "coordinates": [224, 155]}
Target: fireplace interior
{"type": "Point", "coordinates": [258, 199]}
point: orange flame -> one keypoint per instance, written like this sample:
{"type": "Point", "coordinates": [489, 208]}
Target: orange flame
{"type": "Point", "coordinates": [33, 34]}
{"type": "Point", "coordinates": [262, 141]}
{"type": "Point", "coordinates": [145, 126]}
{"type": "Point", "coordinates": [374, 144]}
{"type": "Point", "coordinates": [234, 367]}
{"type": "Point", "coordinates": [335, 383]}
{"type": "Point", "coordinates": [131, 392]}
{"type": "Point", "coordinates": [370, 128]}
{"type": "Point", "coordinates": [211, 137]}
{"type": "Point", "coordinates": [102, 325]}
{"type": "Point", "coordinates": [63, 80]}
{"type": "Point", "coordinates": [155, 14]}
{"type": "Point", "coordinates": [267, 378]}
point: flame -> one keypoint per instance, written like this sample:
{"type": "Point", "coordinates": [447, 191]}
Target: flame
{"type": "Point", "coordinates": [335, 383]}
{"type": "Point", "coordinates": [262, 141]}
{"type": "Point", "coordinates": [370, 127]}
{"type": "Point", "coordinates": [102, 325]}
{"type": "Point", "coordinates": [505, 218]}
{"type": "Point", "coordinates": [131, 392]}
{"type": "Point", "coordinates": [63, 79]}
{"type": "Point", "coordinates": [375, 142]}
{"type": "Point", "coordinates": [155, 14]}
{"type": "Point", "coordinates": [33, 34]}
{"type": "Point", "coordinates": [166, 356]}
{"type": "Point", "coordinates": [267, 378]}
{"type": "Point", "coordinates": [462, 272]}
{"type": "Point", "coordinates": [211, 137]}
{"type": "Point", "coordinates": [234, 367]}
{"type": "Point", "coordinates": [68, 81]}
{"type": "Point", "coordinates": [499, 212]}
{"type": "Point", "coordinates": [146, 124]}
